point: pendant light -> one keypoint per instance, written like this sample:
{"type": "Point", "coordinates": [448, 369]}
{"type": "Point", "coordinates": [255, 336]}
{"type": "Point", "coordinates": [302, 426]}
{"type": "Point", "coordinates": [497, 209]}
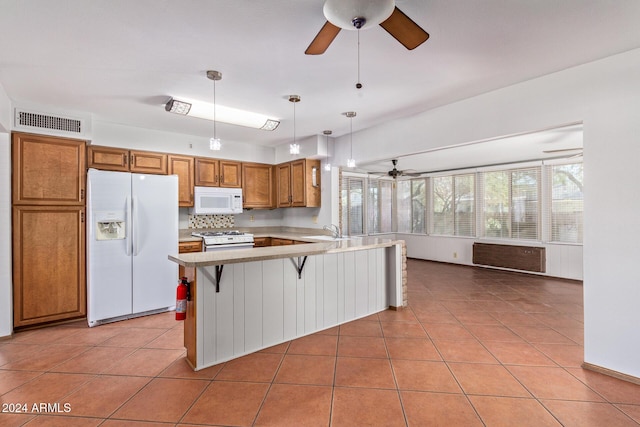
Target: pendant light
{"type": "Point", "coordinates": [294, 148]}
{"type": "Point", "coordinates": [351, 163]}
{"type": "Point", "coordinates": [327, 165]}
{"type": "Point", "coordinates": [214, 143]}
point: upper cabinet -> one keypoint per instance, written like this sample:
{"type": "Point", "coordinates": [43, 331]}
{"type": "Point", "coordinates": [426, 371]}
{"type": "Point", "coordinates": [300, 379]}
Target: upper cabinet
{"type": "Point", "coordinates": [183, 166]}
{"type": "Point", "coordinates": [119, 159]}
{"type": "Point", "coordinates": [258, 188]}
{"type": "Point", "coordinates": [48, 170]}
{"type": "Point", "coordinates": [218, 173]}
{"type": "Point", "coordinates": [298, 183]}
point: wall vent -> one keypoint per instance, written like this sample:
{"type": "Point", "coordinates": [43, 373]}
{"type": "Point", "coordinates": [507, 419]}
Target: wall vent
{"type": "Point", "coordinates": [38, 121]}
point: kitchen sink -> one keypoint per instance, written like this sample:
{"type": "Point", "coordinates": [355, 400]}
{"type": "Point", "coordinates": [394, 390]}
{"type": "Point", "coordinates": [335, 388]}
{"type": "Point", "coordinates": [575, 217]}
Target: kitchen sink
{"type": "Point", "coordinates": [325, 237]}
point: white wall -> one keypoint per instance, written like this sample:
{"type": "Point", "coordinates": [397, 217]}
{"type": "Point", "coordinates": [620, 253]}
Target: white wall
{"type": "Point", "coordinates": [115, 135]}
{"type": "Point", "coordinates": [605, 96]}
{"type": "Point", "coordinates": [6, 310]}
{"type": "Point", "coordinates": [562, 260]}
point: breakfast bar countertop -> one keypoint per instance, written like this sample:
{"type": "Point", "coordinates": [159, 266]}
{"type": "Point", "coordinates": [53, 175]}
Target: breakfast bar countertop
{"type": "Point", "coordinates": [313, 247]}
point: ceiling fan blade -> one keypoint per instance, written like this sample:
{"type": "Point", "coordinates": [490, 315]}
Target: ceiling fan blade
{"type": "Point", "coordinates": [405, 30]}
{"type": "Point", "coordinates": [323, 39]}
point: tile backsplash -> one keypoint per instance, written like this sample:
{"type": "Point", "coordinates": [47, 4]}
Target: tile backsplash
{"type": "Point", "coordinates": [211, 221]}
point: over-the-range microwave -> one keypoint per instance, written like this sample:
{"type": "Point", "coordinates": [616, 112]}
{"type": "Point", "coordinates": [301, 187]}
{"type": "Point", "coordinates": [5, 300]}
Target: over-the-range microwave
{"type": "Point", "coordinates": [216, 201]}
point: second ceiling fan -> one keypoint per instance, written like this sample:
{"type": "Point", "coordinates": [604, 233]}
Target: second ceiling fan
{"type": "Point", "coordinates": [362, 14]}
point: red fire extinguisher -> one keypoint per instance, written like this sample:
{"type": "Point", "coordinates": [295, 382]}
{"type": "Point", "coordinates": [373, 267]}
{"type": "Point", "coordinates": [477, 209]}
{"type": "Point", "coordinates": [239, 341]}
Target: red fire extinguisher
{"type": "Point", "coordinates": [181, 299]}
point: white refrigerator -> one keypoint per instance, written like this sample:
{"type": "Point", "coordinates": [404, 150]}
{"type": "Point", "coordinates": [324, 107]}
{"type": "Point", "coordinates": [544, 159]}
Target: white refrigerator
{"type": "Point", "coordinates": [132, 227]}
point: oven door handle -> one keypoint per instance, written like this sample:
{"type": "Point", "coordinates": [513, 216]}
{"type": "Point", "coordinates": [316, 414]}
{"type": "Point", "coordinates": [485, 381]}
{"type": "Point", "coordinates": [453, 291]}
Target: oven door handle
{"type": "Point", "coordinates": [229, 246]}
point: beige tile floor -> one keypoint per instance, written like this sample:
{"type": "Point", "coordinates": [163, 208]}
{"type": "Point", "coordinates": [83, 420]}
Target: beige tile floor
{"type": "Point", "coordinates": [476, 347]}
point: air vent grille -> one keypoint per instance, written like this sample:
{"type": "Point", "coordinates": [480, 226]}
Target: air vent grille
{"type": "Point", "coordinates": [43, 121]}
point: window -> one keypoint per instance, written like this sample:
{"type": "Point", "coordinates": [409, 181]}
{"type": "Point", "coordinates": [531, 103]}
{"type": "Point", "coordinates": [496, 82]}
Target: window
{"type": "Point", "coordinates": [510, 203]}
{"type": "Point", "coordinates": [367, 205]}
{"type": "Point", "coordinates": [352, 206]}
{"type": "Point", "coordinates": [411, 205]}
{"type": "Point", "coordinates": [380, 206]}
{"type": "Point", "coordinates": [453, 211]}
{"type": "Point", "coordinates": [567, 205]}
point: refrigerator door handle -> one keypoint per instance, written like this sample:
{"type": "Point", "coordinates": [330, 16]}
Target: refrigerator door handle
{"type": "Point", "coordinates": [127, 243]}
{"type": "Point", "coordinates": [134, 223]}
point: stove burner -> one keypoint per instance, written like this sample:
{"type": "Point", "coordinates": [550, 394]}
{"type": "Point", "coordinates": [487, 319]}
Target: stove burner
{"type": "Point", "coordinates": [218, 233]}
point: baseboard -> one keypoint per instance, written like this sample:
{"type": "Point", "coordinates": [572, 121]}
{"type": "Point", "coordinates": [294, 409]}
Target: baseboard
{"type": "Point", "coordinates": [611, 373]}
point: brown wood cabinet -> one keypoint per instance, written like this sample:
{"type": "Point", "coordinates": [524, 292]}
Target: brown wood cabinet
{"type": "Point", "coordinates": [218, 173]}
{"type": "Point", "coordinates": [48, 229]}
{"type": "Point", "coordinates": [187, 247]}
{"type": "Point", "coordinates": [183, 166]}
{"type": "Point", "coordinates": [258, 189]}
{"type": "Point", "coordinates": [298, 183]}
{"type": "Point", "coordinates": [275, 241]}
{"type": "Point", "coordinates": [260, 242]}
{"type": "Point", "coordinates": [48, 264]}
{"type": "Point", "coordinates": [47, 170]}
{"type": "Point", "coordinates": [123, 160]}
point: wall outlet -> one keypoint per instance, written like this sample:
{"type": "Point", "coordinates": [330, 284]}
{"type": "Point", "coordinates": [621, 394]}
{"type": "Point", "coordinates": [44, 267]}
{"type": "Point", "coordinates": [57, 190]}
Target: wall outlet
{"type": "Point", "coordinates": [455, 254]}
{"type": "Point", "coordinates": [314, 219]}
{"type": "Point", "coordinates": [252, 218]}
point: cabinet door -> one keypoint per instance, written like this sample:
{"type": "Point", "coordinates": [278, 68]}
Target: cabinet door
{"type": "Point", "coordinates": [258, 186]}
{"type": "Point", "coordinates": [108, 158]}
{"type": "Point", "coordinates": [48, 170]}
{"type": "Point", "coordinates": [313, 195]}
{"type": "Point", "coordinates": [298, 187]}
{"type": "Point", "coordinates": [183, 167]}
{"type": "Point", "coordinates": [148, 162]}
{"type": "Point", "coordinates": [207, 171]}
{"type": "Point", "coordinates": [283, 179]}
{"type": "Point", "coordinates": [230, 174]}
{"type": "Point", "coordinates": [48, 264]}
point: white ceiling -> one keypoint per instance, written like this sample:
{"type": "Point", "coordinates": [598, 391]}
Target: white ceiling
{"type": "Point", "coordinates": [120, 60]}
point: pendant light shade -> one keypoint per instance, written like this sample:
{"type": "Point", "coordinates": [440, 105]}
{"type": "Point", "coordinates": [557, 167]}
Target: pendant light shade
{"type": "Point", "coordinates": [351, 163]}
{"type": "Point", "coordinates": [214, 143]}
{"type": "Point", "coordinates": [294, 147]}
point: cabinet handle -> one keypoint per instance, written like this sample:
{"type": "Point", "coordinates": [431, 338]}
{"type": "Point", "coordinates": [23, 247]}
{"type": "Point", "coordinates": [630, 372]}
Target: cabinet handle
{"type": "Point", "coordinates": [81, 216]}
{"type": "Point", "coordinates": [133, 159]}
{"type": "Point", "coordinates": [126, 160]}
{"type": "Point", "coordinates": [82, 194]}
{"type": "Point", "coordinates": [216, 179]}
{"type": "Point", "coordinates": [221, 179]}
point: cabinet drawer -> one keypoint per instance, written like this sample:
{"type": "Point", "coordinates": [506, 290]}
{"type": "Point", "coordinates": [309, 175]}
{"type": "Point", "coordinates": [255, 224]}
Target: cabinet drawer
{"type": "Point", "coordinates": [186, 247]}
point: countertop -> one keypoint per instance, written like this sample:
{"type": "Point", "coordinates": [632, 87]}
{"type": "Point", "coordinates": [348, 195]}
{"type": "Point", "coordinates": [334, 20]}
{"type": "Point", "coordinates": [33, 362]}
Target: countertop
{"type": "Point", "coordinates": [314, 247]}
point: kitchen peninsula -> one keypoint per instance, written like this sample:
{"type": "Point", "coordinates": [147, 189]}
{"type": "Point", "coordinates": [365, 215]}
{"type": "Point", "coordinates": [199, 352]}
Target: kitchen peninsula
{"type": "Point", "coordinates": [245, 300]}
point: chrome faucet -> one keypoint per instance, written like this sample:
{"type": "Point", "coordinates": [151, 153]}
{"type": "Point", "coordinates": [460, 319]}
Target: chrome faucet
{"type": "Point", "coordinates": [334, 229]}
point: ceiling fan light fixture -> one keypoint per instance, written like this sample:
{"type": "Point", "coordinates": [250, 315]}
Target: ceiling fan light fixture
{"type": "Point", "coordinates": [357, 14]}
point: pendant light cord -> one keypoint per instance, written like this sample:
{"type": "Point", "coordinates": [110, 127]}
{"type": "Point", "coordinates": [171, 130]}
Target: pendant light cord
{"type": "Point", "coordinates": [351, 136]}
{"type": "Point", "coordinates": [358, 84]}
{"type": "Point", "coordinates": [214, 109]}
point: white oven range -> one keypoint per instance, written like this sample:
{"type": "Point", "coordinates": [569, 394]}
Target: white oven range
{"type": "Point", "coordinates": [223, 240]}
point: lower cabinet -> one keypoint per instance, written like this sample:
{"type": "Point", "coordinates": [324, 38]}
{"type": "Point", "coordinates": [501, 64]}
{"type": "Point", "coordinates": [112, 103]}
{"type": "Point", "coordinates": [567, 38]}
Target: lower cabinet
{"type": "Point", "coordinates": [48, 264]}
{"type": "Point", "coordinates": [184, 248]}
